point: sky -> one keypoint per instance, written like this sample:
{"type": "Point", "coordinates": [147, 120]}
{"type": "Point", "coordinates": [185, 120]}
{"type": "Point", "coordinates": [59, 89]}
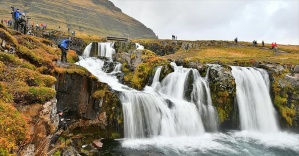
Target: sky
{"type": "Point", "coordinates": [268, 20]}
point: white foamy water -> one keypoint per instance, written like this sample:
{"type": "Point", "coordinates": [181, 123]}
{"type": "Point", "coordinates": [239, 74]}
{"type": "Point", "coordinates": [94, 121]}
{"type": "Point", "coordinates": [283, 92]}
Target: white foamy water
{"type": "Point", "coordinates": [232, 143]}
{"type": "Point", "coordinates": [253, 95]}
{"type": "Point", "coordinates": [139, 46]}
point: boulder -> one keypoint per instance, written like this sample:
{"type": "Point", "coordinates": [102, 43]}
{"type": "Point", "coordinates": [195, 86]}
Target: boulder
{"type": "Point", "coordinates": [296, 69]}
{"type": "Point", "coordinates": [97, 143]}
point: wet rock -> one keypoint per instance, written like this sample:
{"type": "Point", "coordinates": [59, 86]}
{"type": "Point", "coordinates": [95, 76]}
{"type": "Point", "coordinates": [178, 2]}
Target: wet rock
{"type": "Point", "coordinates": [108, 66]}
{"type": "Point", "coordinates": [71, 151]}
{"type": "Point", "coordinates": [223, 90]}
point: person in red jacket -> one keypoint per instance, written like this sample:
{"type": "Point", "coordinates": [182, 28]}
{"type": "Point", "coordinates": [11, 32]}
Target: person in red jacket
{"type": "Point", "coordinates": [272, 45]}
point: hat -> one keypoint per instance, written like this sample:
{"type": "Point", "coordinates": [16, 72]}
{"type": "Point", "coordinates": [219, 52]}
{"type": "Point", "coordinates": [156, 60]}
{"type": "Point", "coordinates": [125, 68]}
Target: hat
{"type": "Point", "coordinates": [59, 111]}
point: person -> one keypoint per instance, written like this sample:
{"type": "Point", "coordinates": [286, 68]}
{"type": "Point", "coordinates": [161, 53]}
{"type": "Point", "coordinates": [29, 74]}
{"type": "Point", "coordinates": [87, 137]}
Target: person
{"type": "Point", "coordinates": [263, 43]}
{"type": "Point", "coordinates": [62, 121]}
{"type": "Point", "coordinates": [64, 46]}
{"type": "Point", "coordinates": [73, 33]}
{"type": "Point", "coordinates": [2, 21]}
{"type": "Point", "coordinates": [236, 40]}
{"type": "Point", "coordinates": [186, 47]}
{"type": "Point", "coordinates": [59, 28]}
{"type": "Point", "coordinates": [23, 23]}
{"type": "Point", "coordinates": [62, 126]}
{"type": "Point", "coordinates": [272, 45]}
{"type": "Point", "coordinates": [254, 42]}
{"type": "Point", "coordinates": [275, 46]}
{"type": "Point", "coordinates": [37, 26]}
{"type": "Point", "coordinates": [17, 15]}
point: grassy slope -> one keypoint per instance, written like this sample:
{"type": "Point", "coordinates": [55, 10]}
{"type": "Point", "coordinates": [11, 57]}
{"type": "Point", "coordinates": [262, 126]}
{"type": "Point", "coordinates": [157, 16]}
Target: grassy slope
{"type": "Point", "coordinates": [102, 18]}
{"type": "Point", "coordinates": [288, 54]}
{"type": "Point", "coordinates": [26, 79]}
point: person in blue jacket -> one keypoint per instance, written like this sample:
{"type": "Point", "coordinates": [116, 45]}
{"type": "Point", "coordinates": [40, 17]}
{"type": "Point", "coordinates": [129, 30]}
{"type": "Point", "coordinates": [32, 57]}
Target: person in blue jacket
{"type": "Point", "coordinates": [64, 46]}
{"type": "Point", "coordinates": [17, 15]}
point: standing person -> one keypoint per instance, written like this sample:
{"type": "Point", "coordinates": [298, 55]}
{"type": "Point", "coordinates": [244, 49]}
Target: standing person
{"type": "Point", "coordinates": [275, 46]}
{"type": "Point", "coordinates": [263, 43]}
{"type": "Point", "coordinates": [23, 23]}
{"type": "Point", "coordinates": [17, 15]}
{"type": "Point", "coordinates": [272, 45]}
{"type": "Point", "coordinates": [2, 21]}
{"type": "Point", "coordinates": [236, 40]}
{"type": "Point", "coordinates": [64, 46]}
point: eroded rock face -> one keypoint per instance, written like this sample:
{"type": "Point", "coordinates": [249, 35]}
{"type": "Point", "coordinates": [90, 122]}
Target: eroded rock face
{"type": "Point", "coordinates": [76, 96]}
{"type": "Point", "coordinates": [223, 91]}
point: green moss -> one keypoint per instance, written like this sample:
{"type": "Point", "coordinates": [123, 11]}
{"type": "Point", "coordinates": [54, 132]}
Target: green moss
{"type": "Point", "coordinates": [99, 94]}
{"type": "Point", "coordinates": [115, 135]}
{"type": "Point", "coordinates": [5, 95]}
{"type": "Point", "coordinates": [288, 114]}
{"type": "Point", "coordinates": [8, 37]}
{"type": "Point", "coordinates": [12, 60]}
{"type": "Point", "coordinates": [29, 55]}
{"type": "Point", "coordinates": [40, 94]}
{"type": "Point", "coordinates": [32, 78]}
{"type": "Point", "coordinates": [139, 78]}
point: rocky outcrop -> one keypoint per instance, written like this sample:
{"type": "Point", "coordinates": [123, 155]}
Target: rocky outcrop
{"type": "Point", "coordinates": [89, 103]}
{"type": "Point", "coordinates": [285, 88]}
{"type": "Point", "coordinates": [166, 47]}
{"type": "Point", "coordinates": [223, 91]}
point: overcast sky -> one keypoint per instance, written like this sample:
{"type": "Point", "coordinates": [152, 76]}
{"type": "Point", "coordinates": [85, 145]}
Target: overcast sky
{"type": "Point", "coordinates": [268, 20]}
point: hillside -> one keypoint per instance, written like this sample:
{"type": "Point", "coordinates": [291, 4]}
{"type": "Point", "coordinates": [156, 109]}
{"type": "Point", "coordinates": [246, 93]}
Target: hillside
{"type": "Point", "coordinates": [97, 17]}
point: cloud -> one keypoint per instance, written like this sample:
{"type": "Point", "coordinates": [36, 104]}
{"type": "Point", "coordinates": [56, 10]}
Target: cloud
{"type": "Point", "coordinates": [268, 20]}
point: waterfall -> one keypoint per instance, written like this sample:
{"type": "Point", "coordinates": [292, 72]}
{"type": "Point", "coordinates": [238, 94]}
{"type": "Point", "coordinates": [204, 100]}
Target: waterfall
{"type": "Point", "coordinates": [106, 50]}
{"type": "Point", "coordinates": [139, 46]}
{"type": "Point", "coordinates": [156, 83]}
{"type": "Point", "coordinates": [180, 105]}
{"type": "Point", "coordinates": [86, 52]}
{"type": "Point", "coordinates": [255, 106]}
{"type": "Point", "coordinates": [103, 50]}
{"type": "Point", "coordinates": [117, 68]}
{"type": "Point", "coordinates": [201, 96]}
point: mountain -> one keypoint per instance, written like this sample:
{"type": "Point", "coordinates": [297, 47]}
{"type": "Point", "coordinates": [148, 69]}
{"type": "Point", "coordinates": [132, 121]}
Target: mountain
{"type": "Point", "coordinates": [97, 17]}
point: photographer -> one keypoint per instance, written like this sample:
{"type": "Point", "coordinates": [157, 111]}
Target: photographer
{"type": "Point", "coordinates": [62, 126]}
{"type": "Point", "coordinates": [64, 46]}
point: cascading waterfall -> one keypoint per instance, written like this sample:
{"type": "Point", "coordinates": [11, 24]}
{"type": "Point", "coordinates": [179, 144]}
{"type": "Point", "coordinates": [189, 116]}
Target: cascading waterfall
{"type": "Point", "coordinates": [103, 50]}
{"type": "Point", "coordinates": [201, 96]}
{"type": "Point", "coordinates": [164, 110]}
{"type": "Point", "coordinates": [117, 69]}
{"type": "Point", "coordinates": [171, 117]}
{"type": "Point", "coordinates": [106, 50]}
{"type": "Point", "coordinates": [86, 52]}
{"type": "Point", "coordinates": [255, 106]}
{"type": "Point", "coordinates": [156, 81]}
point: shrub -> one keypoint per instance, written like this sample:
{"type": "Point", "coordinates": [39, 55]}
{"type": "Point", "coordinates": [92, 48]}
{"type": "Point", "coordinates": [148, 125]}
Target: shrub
{"type": "Point", "coordinates": [14, 129]}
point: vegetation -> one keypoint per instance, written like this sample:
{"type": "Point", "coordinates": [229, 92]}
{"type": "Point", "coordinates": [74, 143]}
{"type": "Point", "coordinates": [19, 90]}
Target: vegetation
{"type": "Point", "coordinates": [139, 78]}
{"type": "Point", "coordinates": [14, 129]}
{"type": "Point", "coordinates": [242, 53]}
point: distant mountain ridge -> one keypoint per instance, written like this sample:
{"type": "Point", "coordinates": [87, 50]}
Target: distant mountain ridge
{"type": "Point", "coordinates": [97, 17]}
